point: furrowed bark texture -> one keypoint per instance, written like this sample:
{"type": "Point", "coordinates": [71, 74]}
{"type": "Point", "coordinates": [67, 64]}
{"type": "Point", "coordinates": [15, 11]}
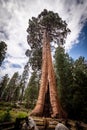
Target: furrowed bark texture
{"type": "Point", "coordinates": [48, 104]}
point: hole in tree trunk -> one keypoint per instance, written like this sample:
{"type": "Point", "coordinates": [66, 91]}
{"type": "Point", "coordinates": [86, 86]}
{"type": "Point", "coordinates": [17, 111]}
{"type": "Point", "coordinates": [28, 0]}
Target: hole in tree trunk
{"type": "Point", "coordinates": [47, 111]}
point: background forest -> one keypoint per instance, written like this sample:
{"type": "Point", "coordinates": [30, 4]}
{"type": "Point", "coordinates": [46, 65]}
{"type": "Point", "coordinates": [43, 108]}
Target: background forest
{"type": "Point", "coordinates": [71, 75]}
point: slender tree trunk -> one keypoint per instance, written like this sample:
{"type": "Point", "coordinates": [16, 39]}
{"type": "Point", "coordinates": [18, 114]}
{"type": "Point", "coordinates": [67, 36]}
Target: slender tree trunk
{"type": "Point", "coordinates": [48, 80]}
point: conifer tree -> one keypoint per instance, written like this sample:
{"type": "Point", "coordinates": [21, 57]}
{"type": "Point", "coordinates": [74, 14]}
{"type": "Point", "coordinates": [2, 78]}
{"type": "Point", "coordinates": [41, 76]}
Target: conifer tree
{"type": "Point", "coordinates": [3, 48]}
{"type": "Point", "coordinates": [51, 28]}
{"type": "Point", "coordinates": [64, 74]}
{"type": "Point", "coordinates": [79, 96]}
{"type": "Point", "coordinates": [24, 79]}
{"type": "Point", "coordinates": [3, 85]}
{"type": "Point", "coordinates": [31, 92]}
{"type": "Point", "coordinates": [11, 87]}
{"type": "Point", "coordinates": [54, 26]}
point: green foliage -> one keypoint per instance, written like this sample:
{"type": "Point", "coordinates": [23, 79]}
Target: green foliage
{"type": "Point", "coordinates": [72, 84]}
{"type": "Point", "coordinates": [5, 117]}
{"type": "Point", "coordinates": [11, 115]}
{"type": "Point", "coordinates": [21, 115]}
{"type": "Point", "coordinates": [80, 88]}
{"type": "Point", "coordinates": [63, 66]}
{"type": "Point", "coordinates": [31, 91]}
{"type": "Point", "coordinates": [3, 85]}
{"type": "Point", "coordinates": [23, 81]}
{"type": "Point", "coordinates": [55, 27]}
{"type": "Point", "coordinates": [16, 94]}
{"type": "Point", "coordinates": [3, 48]}
{"type": "Point", "coordinates": [12, 87]}
{"type": "Point", "coordinates": [12, 111]}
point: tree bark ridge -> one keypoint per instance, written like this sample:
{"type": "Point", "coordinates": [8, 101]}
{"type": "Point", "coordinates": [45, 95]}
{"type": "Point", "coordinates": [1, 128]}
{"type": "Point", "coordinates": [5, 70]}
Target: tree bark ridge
{"type": "Point", "coordinates": [48, 83]}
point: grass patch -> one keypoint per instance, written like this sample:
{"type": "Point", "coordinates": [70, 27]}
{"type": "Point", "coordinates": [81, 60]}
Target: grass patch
{"type": "Point", "coordinates": [22, 115]}
{"type": "Point", "coordinates": [9, 111]}
{"type": "Point", "coordinates": [12, 115]}
{"type": "Point", "coordinates": [5, 116]}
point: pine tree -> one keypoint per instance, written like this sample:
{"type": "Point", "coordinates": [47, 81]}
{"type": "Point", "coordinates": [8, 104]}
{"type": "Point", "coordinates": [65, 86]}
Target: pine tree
{"type": "Point", "coordinates": [11, 87]}
{"type": "Point", "coordinates": [24, 79]}
{"type": "Point", "coordinates": [64, 74]}
{"type": "Point", "coordinates": [16, 95]}
{"type": "Point", "coordinates": [31, 91]}
{"type": "Point", "coordinates": [3, 48]}
{"type": "Point", "coordinates": [79, 89]}
{"type": "Point", "coordinates": [3, 85]}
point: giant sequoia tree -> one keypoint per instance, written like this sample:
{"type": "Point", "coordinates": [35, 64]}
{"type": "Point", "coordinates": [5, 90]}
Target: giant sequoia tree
{"type": "Point", "coordinates": [54, 26]}
{"type": "Point", "coordinates": [46, 28]}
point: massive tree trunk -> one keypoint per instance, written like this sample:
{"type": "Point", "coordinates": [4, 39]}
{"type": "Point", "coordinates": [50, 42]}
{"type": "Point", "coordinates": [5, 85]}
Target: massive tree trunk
{"type": "Point", "coordinates": [48, 103]}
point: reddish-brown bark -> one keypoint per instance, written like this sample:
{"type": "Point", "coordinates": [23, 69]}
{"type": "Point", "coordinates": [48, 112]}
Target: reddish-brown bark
{"type": "Point", "coordinates": [48, 103]}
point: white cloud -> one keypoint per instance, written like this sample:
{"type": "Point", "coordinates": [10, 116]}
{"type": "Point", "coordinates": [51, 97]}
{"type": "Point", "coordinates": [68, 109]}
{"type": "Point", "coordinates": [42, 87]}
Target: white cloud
{"type": "Point", "coordinates": [77, 18]}
{"type": "Point", "coordinates": [14, 15]}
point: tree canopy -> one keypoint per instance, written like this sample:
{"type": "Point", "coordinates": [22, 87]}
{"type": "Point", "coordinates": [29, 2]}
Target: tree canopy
{"type": "Point", "coordinates": [56, 29]}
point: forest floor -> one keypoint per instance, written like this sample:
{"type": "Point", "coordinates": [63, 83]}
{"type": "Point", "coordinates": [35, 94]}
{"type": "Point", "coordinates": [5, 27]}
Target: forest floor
{"type": "Point", "coordinates": [50, 123]}
{"type": "Point", "coordinates": [10, 111]}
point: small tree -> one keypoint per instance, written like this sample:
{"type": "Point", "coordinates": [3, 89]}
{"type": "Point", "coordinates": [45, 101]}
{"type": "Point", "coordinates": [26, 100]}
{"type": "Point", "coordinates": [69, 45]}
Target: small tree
{"type": "Point", "coordinates": [24, 79]}
{"type": "Point", "coordinates": [11, 87]}
{"type": "Point", "coordinates": [3, 85]}
{"type": "Point", "coordinates": [3, 48]}
{"type": "Point", "coordinates": [31, 92]}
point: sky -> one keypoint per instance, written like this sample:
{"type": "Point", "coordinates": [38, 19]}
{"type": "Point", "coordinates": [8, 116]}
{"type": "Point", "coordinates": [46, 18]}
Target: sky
{"type": "Point", "coordinates": [80, 49]}
{"type": "Point", "coordinates": [14, 17]}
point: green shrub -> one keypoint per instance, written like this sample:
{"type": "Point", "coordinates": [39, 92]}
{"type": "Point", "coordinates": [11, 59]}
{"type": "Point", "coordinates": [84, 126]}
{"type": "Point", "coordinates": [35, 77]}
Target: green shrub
{"type": "Point", "coordinates": [22, 115]}
{"type": "Point", "coordinates": [5, 117]}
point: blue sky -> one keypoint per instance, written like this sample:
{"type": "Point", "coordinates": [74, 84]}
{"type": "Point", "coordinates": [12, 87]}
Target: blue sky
{"type": "Point", "coordinates": [80, 49]}
{"type": "Point", "coordinates": [14, 16]}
